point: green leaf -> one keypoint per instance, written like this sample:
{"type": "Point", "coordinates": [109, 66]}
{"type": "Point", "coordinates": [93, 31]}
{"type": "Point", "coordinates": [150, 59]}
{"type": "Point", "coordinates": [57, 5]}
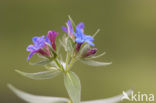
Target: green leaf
{"type": "Point", "coordinates": [96, 56]}
{"type": "Point", "coordinates": [94, 63]}
{"type": "Point", "coordinates": [67, 43]}
{"type": "Point", "coordinates": [45, 99]}
{"type": "Point", "coordinates": [44, 62]}
{"type": "Point", "coordinates": [73, 86]}
{"type": "Point", "coordinates": [36, 99]}
{"type": "Point", "coordinates": [115, 99]}
{"type": "Point", "coordinates": [63, 44]}
{"type": "Point", "coordinates": [50, 68]}
{"type": "Point", "coordinates": [40, 75]}
{"type": "Point", "coordinates": [70, 45]}
{"type": "Point", "coordinates": [98, 30]}
{"type": "Point", "coordinates": [84, 49]}
{"type": "Point", "coordinates": [73, 24]}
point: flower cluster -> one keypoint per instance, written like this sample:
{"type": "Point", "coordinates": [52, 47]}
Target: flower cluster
{"type": "Point", "coordinates": [42, 45]}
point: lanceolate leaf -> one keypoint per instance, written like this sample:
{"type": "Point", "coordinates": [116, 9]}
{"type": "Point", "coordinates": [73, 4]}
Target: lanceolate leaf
{"type": "Point", "coordinates": [70, 45]}
{"type": "Point", "coordinates": [73, 86]}
{"type": "Point", "coordinates": [62, 43]}
{"type": "Point", "coordinates": [45, 99]}
{"type": "Point", "coordinates": [94, 63]}
{"type": "Point", "coordinates": [36, 99]}
{"type": "Point", "coordinates": [73, 24]}
{"type": "Point", "coordinates": [44, 62]}
{"type": "Point", "coordinates": [115, 99]}
{"type": "Point", "coordinates": [84, 49]}
{"type": "Point", "coordinates": [98, 30]}
{"type": "Point", "coordinates": [40, 75]}
{"type": "Point", "coordinates": [96, 56]}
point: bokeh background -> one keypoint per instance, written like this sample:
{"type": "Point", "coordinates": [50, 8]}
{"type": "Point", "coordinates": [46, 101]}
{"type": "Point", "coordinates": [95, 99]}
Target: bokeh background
{"type": "Point", "coordinates": [128, 36]}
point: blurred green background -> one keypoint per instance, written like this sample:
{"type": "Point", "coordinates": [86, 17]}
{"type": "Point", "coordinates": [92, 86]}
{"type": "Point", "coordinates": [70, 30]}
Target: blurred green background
{"type": "Point", "coordinates": [128, 36]}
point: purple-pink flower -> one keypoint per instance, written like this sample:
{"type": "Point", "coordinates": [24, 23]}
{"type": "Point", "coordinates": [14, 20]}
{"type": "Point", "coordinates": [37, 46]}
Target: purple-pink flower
{"type": "Point", "coordinates": [51, 36]}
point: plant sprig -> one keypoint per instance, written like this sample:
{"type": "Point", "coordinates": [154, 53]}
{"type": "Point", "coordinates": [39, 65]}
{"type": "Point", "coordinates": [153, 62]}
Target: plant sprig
{"type": "Point", "coordinates": [78, 47]}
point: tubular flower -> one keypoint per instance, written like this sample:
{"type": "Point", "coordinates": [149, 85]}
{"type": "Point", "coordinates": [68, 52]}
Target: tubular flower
{"type": "Point", "coordinates": [50, 38]}
{"type": "Point", "coordinates": [37, 47]}
{"type": "Point", "coordinates": [81, 37]}
{"type": "Point", "coordinates": [79, 33]}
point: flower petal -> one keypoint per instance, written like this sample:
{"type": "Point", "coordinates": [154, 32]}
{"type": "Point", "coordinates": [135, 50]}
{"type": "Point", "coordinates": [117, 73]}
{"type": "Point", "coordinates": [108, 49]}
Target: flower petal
{"type": "Point", "coordinates": [79, 40]}
{"type": "Point", "coordinates": [88, 37]}
{"type": "Point", "coordinates": [30, 48]}
{"type": "Point", "coordinates": [90, 42]}
{"type": "Point", "coordinates": [35, 39]}
{"type": "Point", "coordinates": [70, 25]}
{"type": "Point", "coordinates": [64, 29]}
{"type": "Point", "coordinates": [80, 25]}
{"type": "Point", "coordinates": [39, 43]}
{"type": "Point", "coordinates": [31, 54]}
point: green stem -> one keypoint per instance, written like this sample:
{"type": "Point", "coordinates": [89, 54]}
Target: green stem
{"type": "Point", "coordinates": [71, 63]}
{"type": "Point", "coordinates": [67, 61]}
{"type": "Point", "coordinates": [59, 65]}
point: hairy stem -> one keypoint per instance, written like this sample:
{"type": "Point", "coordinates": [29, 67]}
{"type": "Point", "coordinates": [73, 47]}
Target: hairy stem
{"type": "Point", "coordinates": [67, 61]}
{"type": "Point", "coordinates": [71, 63]}
{"type": "Point", "coordinates": [59, 65]}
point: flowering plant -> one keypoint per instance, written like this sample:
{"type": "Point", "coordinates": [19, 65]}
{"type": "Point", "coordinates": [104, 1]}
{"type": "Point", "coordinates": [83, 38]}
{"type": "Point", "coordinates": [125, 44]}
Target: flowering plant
{"type": "Point", "coordinates": [78, 47]}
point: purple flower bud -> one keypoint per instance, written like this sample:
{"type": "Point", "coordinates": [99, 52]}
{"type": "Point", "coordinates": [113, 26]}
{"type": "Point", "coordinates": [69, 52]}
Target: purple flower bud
{"type": "Point", "coordinates": [51, 36]}
{"type": "Point", "coordinates": [90, 52]}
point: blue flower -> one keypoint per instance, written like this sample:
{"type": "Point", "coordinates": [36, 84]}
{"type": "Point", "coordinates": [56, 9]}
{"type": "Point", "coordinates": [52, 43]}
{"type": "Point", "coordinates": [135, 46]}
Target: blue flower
{"type": "Point", "coordinates": [79, 33]}
{"type": "Point", "coordinates": [81, 37]}
{"type": "Point", "coordinates": [36, 47]}
{"type": "Point", "coordinates": [81, 26]}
